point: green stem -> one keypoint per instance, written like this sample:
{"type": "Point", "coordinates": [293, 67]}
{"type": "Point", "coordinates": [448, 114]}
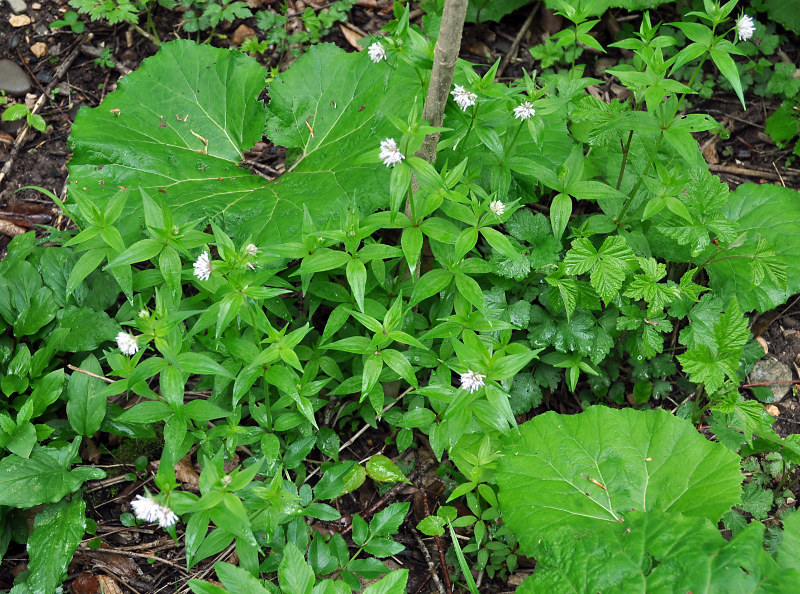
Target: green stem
{"type": "Point", "coordinates": [629, 199]}
{"type": "Point", "coordinates": [506, 151]}
{"type": "Point", "coordinates": [625, 151]}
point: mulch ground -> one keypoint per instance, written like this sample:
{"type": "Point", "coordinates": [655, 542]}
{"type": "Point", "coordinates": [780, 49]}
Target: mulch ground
{"type": "Point", "coordinates": [141, 559]}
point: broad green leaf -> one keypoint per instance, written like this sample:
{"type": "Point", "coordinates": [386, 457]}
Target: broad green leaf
{"type": "Point", "coordinates": [57, 532]}
{"type": "Point", "coordinates": [43, 478]}
{"type": "Point", "coordinates": [560, 211]}
{"type": "Point", "coordinates": [771, 213]}
{"type": "Point", "coordinates": [237, 580]}
{"type": "Point", "coordinates": [89, 329]}
{"type": "Point", "coordinates": [294, 574]}
{"type": "Point", "coordinates": [41, 310]}
{"type": "Point", "coordinates": [592, 468]}
{"type": "Point", "coordinates": [383, 470]}
{"type": "Point", "coordinates": [178, 127]}
{"type": "Point", "coordinates": [658, 552]}
{"type": "Point", "coordinates": [86, 408]}
{"type": "Point", "coordinates": [387, 521]}
{"type": "Point", "coordinates": [394, 583]}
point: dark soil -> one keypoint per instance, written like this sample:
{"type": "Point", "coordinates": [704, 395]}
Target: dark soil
{"type": "Point", "coordinates": [144, 560]}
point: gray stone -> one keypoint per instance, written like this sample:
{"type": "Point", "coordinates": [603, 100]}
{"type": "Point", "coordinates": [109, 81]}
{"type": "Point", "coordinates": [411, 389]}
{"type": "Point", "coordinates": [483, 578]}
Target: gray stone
{"type": "Point", "coordinates": [13, 79]}
{"type": "Point", "coordinates": [769, 370]}
{"type": "Point", "coordinates": [17, 6]}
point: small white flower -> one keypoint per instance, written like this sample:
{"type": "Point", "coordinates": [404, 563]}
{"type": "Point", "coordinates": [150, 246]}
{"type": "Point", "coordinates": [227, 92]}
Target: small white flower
{"type": "Point", "coordinates": [463, 97]}
{"type": "Point", "coordinates": [472, 381]}
{"type": "Point", "coordinates": [202, 267]}
{"type": "Point", "coordinates": [251, 250]}
{"type": "Point", "coordinates": [143, 313]}
{"type": "Point", "coordinates": [127, 343]}
{"type": "Point", "coordinates": [390, 154]}
{"type": "Point", "coordinates": [497, 208]}
{"type": "Point", "coordinates": [745, 27]}
{"type": "Point", "coordinates": [150, 510]}
{"type": "Point", "coordinates": [376, 52]}
{"type": "Point", "coordinates": [524, 111]}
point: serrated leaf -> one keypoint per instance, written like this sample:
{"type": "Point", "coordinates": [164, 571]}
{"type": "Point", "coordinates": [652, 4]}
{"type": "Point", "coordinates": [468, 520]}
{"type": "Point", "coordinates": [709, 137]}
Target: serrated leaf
{"type": "Point", "coordinates": [582, 471]}
{"type": "Point", "coordinates": [182, 121]}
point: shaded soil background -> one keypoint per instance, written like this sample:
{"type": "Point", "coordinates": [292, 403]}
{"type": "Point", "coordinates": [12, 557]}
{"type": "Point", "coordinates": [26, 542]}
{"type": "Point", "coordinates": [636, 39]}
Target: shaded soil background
{"type": "Point", "coordinates": [140, 559]}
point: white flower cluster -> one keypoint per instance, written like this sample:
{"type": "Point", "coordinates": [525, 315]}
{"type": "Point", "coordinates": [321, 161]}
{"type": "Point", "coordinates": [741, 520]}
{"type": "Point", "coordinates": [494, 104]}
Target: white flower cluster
{"type": "Point", "coordinates": [472, 381]}
{"type": "Point", "coordinates": [127, 343]}
{"type": "Point", "coordinates": [150, 510]}
{"type": "Point", "coordinates": [497, 208]}
{"type": "Point", "coordinates": [390, 153]}
{"type": "Point", "coordinates": [524, 111]}
{"type": "Point", "coordinates": [376, 52]}
{"type": "Point", "coordinates": [745, 27]}
{"type": "Point", "coordinates": [202, 267]}
{"type": "Point", "coordinates": [463, 97]}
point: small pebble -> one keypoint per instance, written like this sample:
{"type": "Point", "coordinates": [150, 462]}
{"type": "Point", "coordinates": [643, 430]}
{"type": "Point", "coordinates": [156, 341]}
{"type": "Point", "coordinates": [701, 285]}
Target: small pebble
{"type": "Point", "coordinates": [13, 79]}
{"type": "Point", "coordinates": [19, 20]}
{"type": "Point", "coordinates": [36, 6]}
{"type": "Point", "coordinates": [17, 6]}
{"type": "Point", "coordinates": [38, 49]}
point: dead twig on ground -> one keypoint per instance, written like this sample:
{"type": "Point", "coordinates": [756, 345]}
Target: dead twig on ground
{"type": "Point", "coordinates": [512, 52]}
{"type": "Point", "coordinates": [746, 172]}
{"type": "Point", "coordinates": [426, 553]}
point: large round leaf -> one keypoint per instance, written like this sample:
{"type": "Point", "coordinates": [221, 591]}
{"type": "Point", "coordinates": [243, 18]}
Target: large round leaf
{"type": "Point", "coordinates": [659, 552]}
{"type": "Point", "coordinates": [177, 129]}
{"type": "Point", "coordinates": [590, 469]}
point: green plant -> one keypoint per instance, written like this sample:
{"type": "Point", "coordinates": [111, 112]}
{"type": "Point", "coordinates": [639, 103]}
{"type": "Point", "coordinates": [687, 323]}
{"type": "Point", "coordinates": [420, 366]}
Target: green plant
{"type": "Point", "coordinates": [316, 24]}
{"type": "Point", "coordinates": [19, 111]}
{"type": "Point", "coordinates": [70, 20]}
{"type": "Point", "coordinates": [618, 508]}
{"type": "Point", "coordinates": [105, 59]}
{"type": "Point", "coordinates": [438, 275]}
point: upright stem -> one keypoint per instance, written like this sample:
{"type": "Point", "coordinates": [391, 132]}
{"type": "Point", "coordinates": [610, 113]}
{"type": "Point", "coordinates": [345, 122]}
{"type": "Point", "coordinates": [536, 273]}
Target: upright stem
{"type": "Point", "coordinates": [626, 148]}
{"type": "Point", "coordinates": [445, 56]}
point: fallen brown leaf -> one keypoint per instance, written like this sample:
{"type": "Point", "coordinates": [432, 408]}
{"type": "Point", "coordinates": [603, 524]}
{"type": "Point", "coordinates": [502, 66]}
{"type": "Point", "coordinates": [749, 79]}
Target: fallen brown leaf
{"type": "Point", "coordinates": [185, 472]}
{"type": "Point", "coordinates": [351, 36]}
{"type": "Point", "coordinates": [108, 585]}
{"type": "Point", "coordinates": [85, 583]}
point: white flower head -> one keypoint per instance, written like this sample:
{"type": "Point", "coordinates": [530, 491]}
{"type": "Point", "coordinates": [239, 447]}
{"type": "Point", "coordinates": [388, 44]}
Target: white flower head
{"type": "Point", "coordinates": [390, 153]}
{"type": "Point", "coordinates": [202, 267]}
{"type": "Point", "coordinates": [377, 52]}
{"type": "Point", "coordinates": [252, 250]}
{"type": "Point", "coordinates": [127, 343]}
{"type": "Point", "coordinates": [150, 510]}
{"type": "Point", "coordinates": [745, 27]}
{"type": "Point", "coordinates": [497, 207]}
{"type": "Point", "coordinates": [472, 381]}
{"type": "Point", "coordinates": [463, 97]}
{"type": "Point", "coordinates": [143, 313]}
{"type": "Point", "coordinates": [524, 111]}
